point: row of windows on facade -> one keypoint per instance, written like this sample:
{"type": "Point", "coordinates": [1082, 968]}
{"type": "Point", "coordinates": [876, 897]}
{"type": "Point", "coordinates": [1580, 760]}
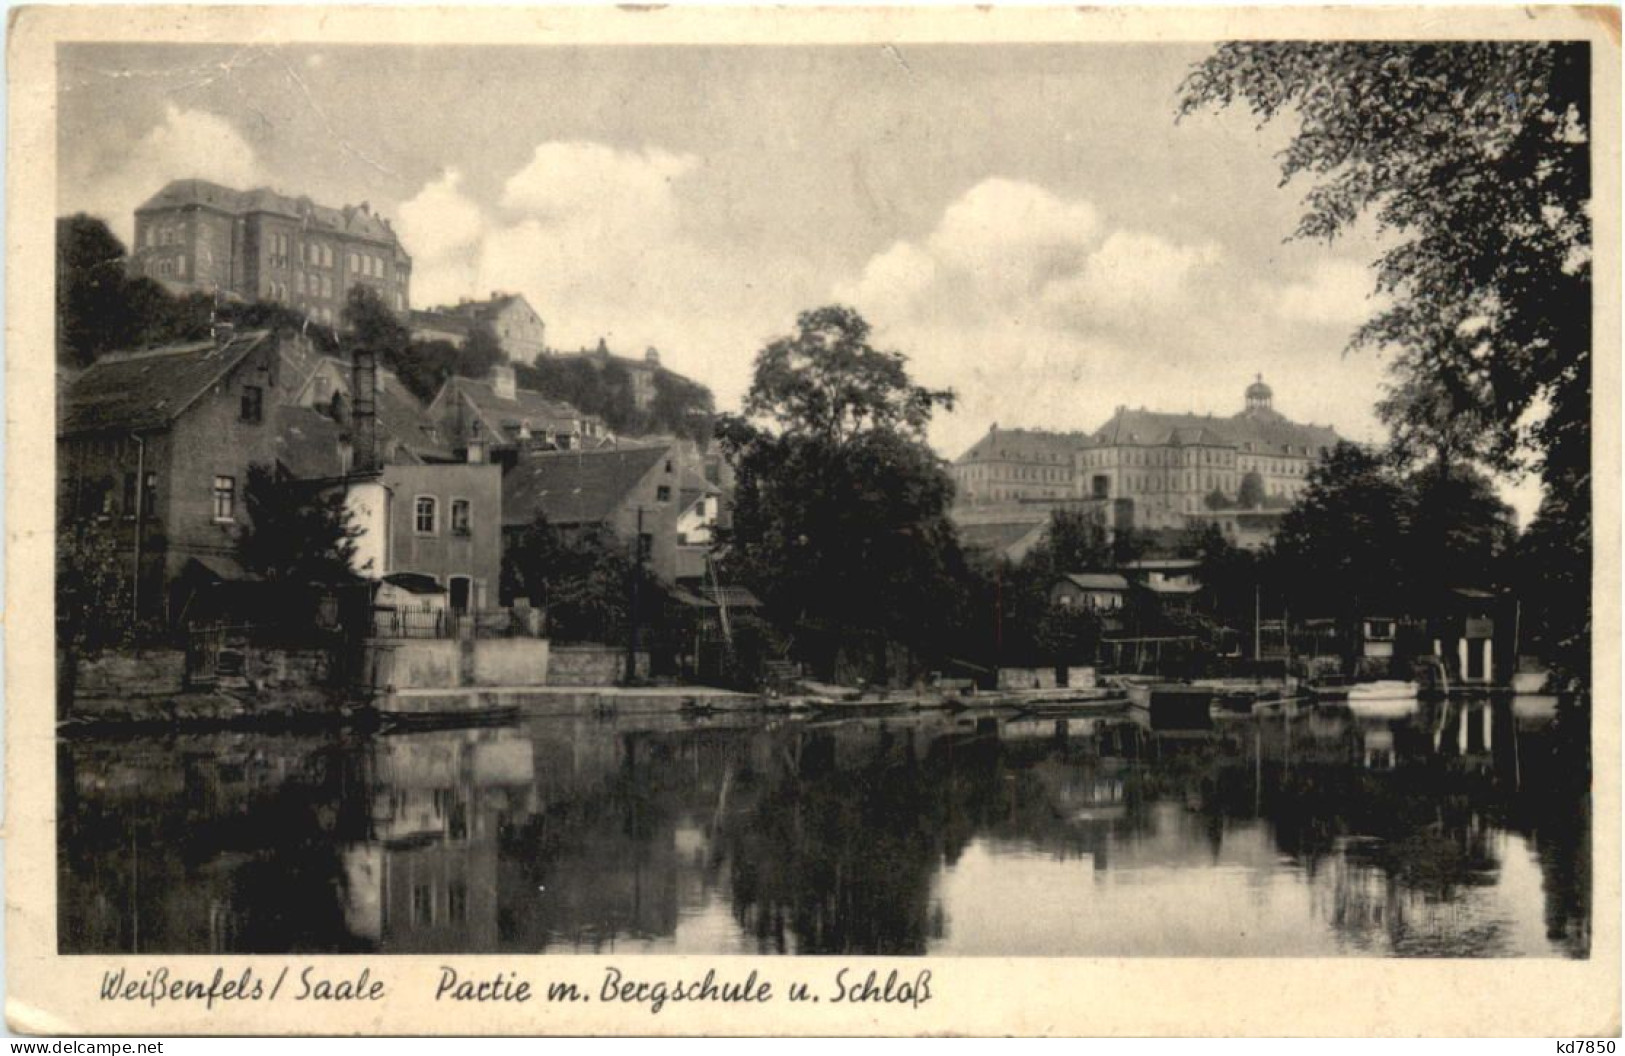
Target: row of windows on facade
{"type": "Point", "coordinates": [424, 904]}
{"type": "Point", "coordinates": [100, 499]}
{"type": "Point", "coordinates": [1158, 457]}
{"type": "Point", "coordinates": [1208, 457]}
{"type": "Point", "coordinates": [319, 256]}
{"type": "Point", "coordinates": [426, 516]}
{"type": "Point", "coordinates": [225, 505]}
{"type": "Point", "coordinates": [1014, 473]}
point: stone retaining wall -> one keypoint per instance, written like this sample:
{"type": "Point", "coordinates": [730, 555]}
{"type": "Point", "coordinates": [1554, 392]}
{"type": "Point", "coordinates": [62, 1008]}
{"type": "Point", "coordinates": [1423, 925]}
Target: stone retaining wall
{"type": "Point", "coordinates": [591, 665]}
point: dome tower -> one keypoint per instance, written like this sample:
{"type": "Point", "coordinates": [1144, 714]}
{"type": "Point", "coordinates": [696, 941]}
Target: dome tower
{"type": "Point", "coordinates": [1259, 396]}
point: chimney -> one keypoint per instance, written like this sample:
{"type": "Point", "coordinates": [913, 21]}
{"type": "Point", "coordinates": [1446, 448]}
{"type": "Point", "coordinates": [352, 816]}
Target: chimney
{"type": "Point", "coordinates": [364, 412]}
{"type": "Point", "coordinates": [502, 382]}
{"type": "Point", "coordinates": [651, 356]}
{"type": "Point", "coordinates": [476, 450]}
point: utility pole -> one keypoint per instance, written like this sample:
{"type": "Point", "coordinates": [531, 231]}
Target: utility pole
{"type": "Point", "coordinates": [140, 517]}
{"type": "Point", "coordinates": [1258, 624]}
{"type": "Point", "coordinates": [637, 574]}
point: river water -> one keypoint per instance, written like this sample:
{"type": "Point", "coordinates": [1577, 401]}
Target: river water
{"type": "Point", "coordinates": [1441, 830]}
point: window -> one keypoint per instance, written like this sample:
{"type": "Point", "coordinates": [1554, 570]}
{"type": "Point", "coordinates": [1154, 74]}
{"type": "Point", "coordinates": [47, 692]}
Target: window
{"type": "Point", "coordinates": [646, 546]}
{"type": "Point", "coordinates": [253, 403]}
{"type": "Point", "coordinates": [149, 495]}
{"type": "Point", "coordinates": [355, 263]}
{"type": "Point", "coordinates": [423, 904]}
{"type": "Point", "coordinates": [327, 256]}
{"type": "Point", "coordinates": [457, 902]}
{"type": "Point", "coordinates": [180, 266]}
{"type": "Point", "coordinates": [663, 493]}
{"type": "Point", "coordinates": [129, 494]}
{"type": "Point", "coordinates": [459, 517]}
{"type": "Point", "coordinates": [425, 515]}
{"type": "Point", "coordinates": [225, 498]}
{"type": "Point", "coordinates": [327, 285]}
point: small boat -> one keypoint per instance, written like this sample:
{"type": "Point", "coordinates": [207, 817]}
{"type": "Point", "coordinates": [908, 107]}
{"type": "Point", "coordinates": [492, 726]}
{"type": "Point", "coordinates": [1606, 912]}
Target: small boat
{"type": "Point", "coordinates": [1330, 688]}
{"type": "Point", "coordinates": [1383, 699]}
{"type": "Point", "coordinates": [416, 709]}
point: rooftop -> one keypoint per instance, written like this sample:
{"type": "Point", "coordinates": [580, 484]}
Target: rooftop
{"type": "Point", "coordinates": [355, 220]}
{"type": "Point", "coordinates": [1097, 580]}
{"type": "Point", "coordinates": [502, 416]}
{"type": "Point", "coordinates": [1267, 431]}
{"type": "Point", "coordinates": [149, 389]}
{"type": "Point", "coordinates": [575, 487]}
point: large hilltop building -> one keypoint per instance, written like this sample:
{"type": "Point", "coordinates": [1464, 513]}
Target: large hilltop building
{"type": "Point", "coordinates": [1169, 470]}
{"type": "Point", "coordinates": [258, 245]}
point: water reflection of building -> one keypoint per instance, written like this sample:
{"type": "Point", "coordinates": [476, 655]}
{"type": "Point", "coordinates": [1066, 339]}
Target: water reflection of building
{"type": "Point", "coordinates": [837, 837]}
{"type": "Point", "coordinates": [426, 880]}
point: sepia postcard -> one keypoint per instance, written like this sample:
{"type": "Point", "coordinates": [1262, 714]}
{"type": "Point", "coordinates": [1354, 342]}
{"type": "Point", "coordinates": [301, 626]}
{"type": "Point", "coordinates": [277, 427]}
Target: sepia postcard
{"type": "Point", "coordinates": [791, 521]}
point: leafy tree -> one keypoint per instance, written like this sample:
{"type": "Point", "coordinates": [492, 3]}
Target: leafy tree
{"type": "Point", "coordinates": [295, 534]}
{"type": "Point", "coordinates": [479, 353]}
{"type": "Point", "coordinates": [1553, 584]}
{"type": "Point", "coordinates": [1476, 158]}
{"type": "Point", "coordinates": [1250, 496]}
{"type": "Point", "coordinates": [602, 386]}
{"type": "Point", "coordinates": [840, 519]}
{"type": "Point", "coordinates": [582, 579]}
{"type": "Point", "coordinates": [827, 381]}
{"type": "Point", "coordinates": [99, 308]}
{"type": "Point", "coordinates": [682, 407]}
{"type": "Point", "coordinates": [372, 323]}
{"type": "Point", "coordinates": [1460, 532]}
{"type": "Point", "coordinates": [92, 588]}
{"type": "Point", "coordinates": [1066, 635]}
{"type": "Point", "coordinates": [1347, 537]}
{"type": "Point", "coordinates": [422, 366]}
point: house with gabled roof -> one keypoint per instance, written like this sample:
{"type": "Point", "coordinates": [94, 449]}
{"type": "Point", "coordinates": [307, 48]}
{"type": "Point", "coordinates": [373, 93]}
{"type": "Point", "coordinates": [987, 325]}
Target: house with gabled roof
{"type": "Point", "coordinates": [429, 522]}
{"type": "Point", "coordinates": [517, 327]}
{"type": "Point", "coordinates": [634, 491]}
{"type": "Point", "coordinates": [507, 420]}
{"type": "Point", "coordinates": [155, 446]}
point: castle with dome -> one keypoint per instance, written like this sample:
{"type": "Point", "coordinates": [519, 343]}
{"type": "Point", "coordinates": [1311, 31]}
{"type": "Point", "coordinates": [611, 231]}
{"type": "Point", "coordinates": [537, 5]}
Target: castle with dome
{"type": "Point", "coordinates": [1170, 467]}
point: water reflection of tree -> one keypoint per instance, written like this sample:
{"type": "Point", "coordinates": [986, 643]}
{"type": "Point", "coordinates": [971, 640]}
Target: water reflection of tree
{"type": "Point", "coordinates": [598, 861]}
{"type": "Point", "coordinates": [205, 844]}
{"type": "Point", "coordinates": [1404, 844]}
{"type": "Point", "coordinates": [842, 849]}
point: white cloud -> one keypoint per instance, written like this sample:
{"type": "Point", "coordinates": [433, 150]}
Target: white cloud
{"type": "Point", "coordinates": [1337, 293]}
{"type": "Point", "coordinates": [595, 240]}
{"type": "Point", "coordinates": [1006, 230]}
{"type": "Point", "coordinates": [594, 187]}
{"type": "Point", "coordinates": [442, 228]}
{"type": "Point", "coordinates": [1030, 306]}
{"type": "Point", "coordinates": [185, 144]}
{"type": "Point", "coordinates": [1017, 251]}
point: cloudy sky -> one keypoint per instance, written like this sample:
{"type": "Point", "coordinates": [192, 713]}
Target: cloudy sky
{"type": "Point", "coordinates": [1028, 224]}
